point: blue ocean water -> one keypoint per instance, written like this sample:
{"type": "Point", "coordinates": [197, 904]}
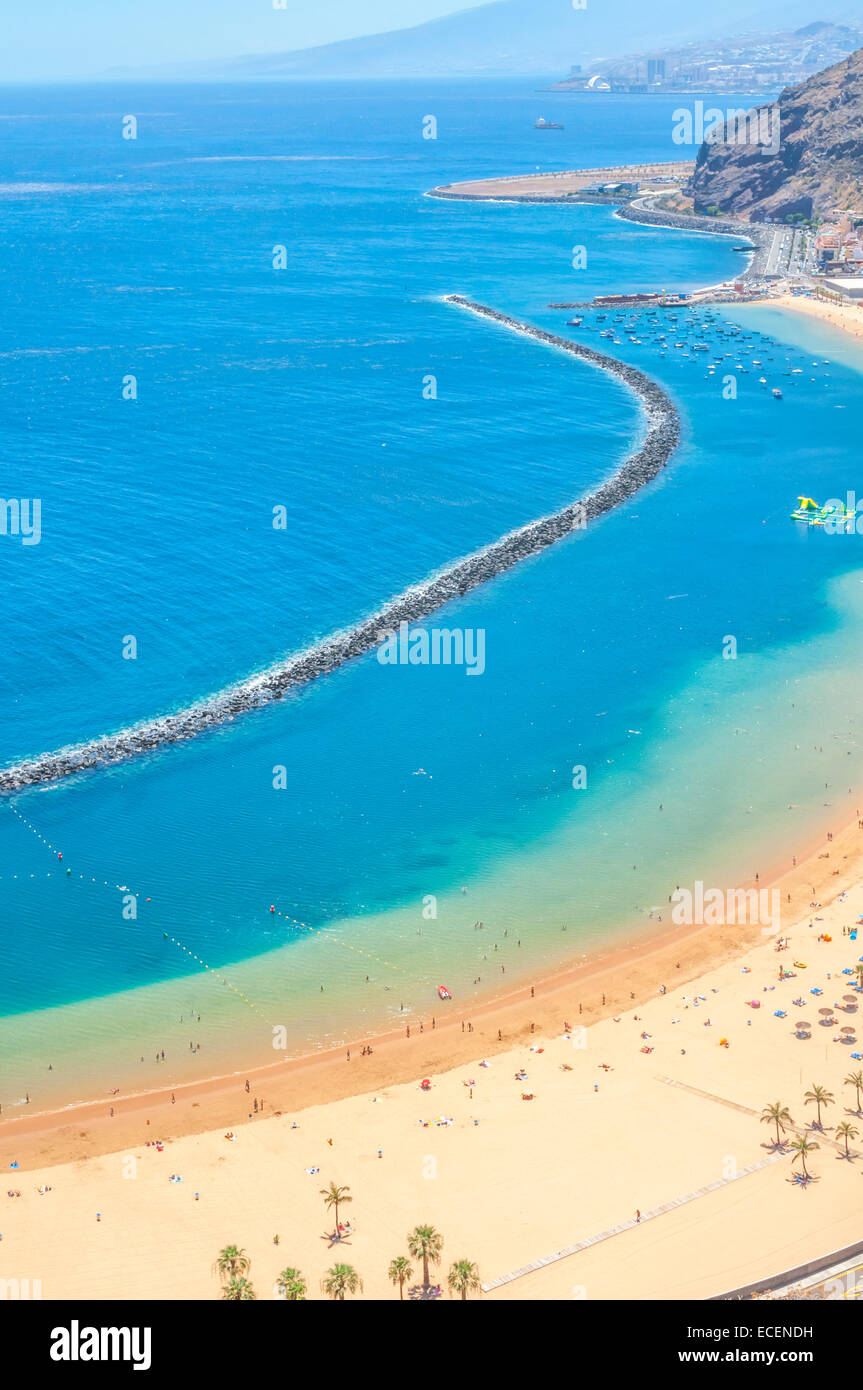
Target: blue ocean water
{"type": "Point", "coordinates": [303, 388]}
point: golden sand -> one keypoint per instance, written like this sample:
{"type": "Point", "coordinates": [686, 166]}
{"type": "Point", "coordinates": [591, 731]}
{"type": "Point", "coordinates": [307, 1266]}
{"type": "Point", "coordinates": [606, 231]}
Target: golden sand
{"type": "Point", "coordinates": [848, 317]}
{"type": "Point", "coordinates": [611, 1129]}
{"type": "Point", "coordinates": [562, 183]}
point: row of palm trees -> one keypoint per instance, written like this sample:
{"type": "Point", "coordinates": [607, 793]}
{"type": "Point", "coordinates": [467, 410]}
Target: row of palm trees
{"type": "Point", "coordinates": [779, 1115]}
{"type": "Point", "coordinates": [233, 1266]}
{"type": "Point", "coordinates": [424, 1243]}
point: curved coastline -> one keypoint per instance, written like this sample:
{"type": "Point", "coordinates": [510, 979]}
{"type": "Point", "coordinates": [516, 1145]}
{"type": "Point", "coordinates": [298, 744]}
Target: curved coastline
{"type": "Point", "coordinates": [412, 605]}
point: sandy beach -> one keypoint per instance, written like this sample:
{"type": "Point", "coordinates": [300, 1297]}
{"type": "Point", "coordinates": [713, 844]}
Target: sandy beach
{"type": "Point", "coordinates": [848, 317]}
{"type": "Point", "coordinates": [619, 1123]}
{"type": "Point", "coordinates": [563, 183]}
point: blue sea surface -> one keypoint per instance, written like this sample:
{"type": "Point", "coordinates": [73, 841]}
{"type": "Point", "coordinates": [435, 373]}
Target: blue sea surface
{"type": "Point", "coordinates": [307, 388]}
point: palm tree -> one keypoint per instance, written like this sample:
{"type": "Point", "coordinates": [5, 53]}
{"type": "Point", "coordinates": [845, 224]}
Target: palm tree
{"type": "Point", "coordinates": [339, 1280]}
{"type": "Point", "coordinates": [855, 1079]}
{"type": "Point", "coordinates": [802, 1147]}
{"type": "Point", "coordinates": [232, 1262]}
{"type": "Point", "coordinates": [426, 1244]}
{"type": "Point", "coordinates": [238, 1289]}
{"type": "Point", "coordinates": [818, 1096]}
{"type": "Point", "coordinates": [400, 1271]}
{"type": "Point", "coordinates": [464, 1278]}
{"type": "Point", "coordinates": [335, 1197]}
{"type": "Point", "coordinates": [859, 969]}
{"type": "Point", "coordinates": [779, 1115]}
{"type": "Point", "coordinates": [846, 1131]}
{"type": "Point", "coordinates": [292, 1285]}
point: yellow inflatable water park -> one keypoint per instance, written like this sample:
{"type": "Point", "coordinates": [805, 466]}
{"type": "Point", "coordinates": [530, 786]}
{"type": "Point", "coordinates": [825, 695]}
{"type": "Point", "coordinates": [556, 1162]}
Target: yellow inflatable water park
{"type": "Point", "coordinates": [809, 511]}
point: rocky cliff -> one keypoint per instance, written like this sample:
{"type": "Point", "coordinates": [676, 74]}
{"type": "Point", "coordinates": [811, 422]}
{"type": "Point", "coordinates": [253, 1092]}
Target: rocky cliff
{"type": "Point", "coordinates": [803, 156]}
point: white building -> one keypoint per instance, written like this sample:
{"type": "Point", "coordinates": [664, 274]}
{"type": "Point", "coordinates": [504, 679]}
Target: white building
{"type": "Point", "coordinates": [850, 286]}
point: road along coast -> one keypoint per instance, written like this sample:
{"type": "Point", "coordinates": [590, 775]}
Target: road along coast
{"type": "Point", "coordinates": [645, 212]}
{"type": "Point", "coordinates": [412, 605]}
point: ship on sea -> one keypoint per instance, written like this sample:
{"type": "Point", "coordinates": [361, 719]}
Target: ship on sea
{"type": "Point", "coordinates": [543, 124]}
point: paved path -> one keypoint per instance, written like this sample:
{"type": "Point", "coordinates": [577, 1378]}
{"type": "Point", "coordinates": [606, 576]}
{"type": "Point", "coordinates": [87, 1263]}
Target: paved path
{"type": "Point", "coordinates": [823, 1137]}
{"type": "Point", "coordinates": [568, 1250]}
{"type": "Point", "coordinates": [666, 1207]}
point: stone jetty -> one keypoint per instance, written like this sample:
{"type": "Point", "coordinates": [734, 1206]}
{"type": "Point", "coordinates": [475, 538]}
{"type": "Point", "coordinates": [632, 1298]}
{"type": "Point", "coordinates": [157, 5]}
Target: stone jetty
{"type": "Point", "coordinates": [412, 605]}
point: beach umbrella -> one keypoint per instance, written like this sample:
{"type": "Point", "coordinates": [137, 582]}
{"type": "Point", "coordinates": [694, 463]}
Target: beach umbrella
{"type": "Point", "coordinates": [846, 1030]}
{"type": "Point", "coordinates": [850, 998]}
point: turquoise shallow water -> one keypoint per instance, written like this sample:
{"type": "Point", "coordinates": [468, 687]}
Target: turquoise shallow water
{"type": "Point", "coordinates": [259, 388]}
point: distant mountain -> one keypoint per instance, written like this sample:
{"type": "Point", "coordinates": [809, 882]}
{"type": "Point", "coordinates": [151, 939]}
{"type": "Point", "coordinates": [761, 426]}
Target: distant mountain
{"type": "Point", "coordinates": [515, 37]}
{"type": "Point", "coordinates": [815, 165]}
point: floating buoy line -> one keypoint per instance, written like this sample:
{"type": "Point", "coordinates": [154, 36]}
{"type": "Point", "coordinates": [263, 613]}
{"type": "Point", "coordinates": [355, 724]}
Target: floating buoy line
{"type": "Point", "coordinates": [358, 950]}
{"type": "Point", "coordinates": [124, 888]}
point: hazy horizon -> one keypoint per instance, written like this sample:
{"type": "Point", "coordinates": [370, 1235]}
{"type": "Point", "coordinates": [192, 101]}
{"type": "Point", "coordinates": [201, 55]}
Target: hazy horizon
{"type": "Point", "coordinates": [56, 43]}
{"type": "Point", "coordinates": [104, 39]}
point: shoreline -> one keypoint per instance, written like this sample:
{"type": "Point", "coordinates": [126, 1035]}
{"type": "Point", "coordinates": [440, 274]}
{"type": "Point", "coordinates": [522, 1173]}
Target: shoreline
{"type": "Point", "coordinates": [562, 186]}
{"type": "Point", "coordinates": [690, 1110]}
{"type": "Point", "coordinates": [628, 974]}
{"type": "Point", "coordinates": [596, 968]}
{"type": "Point", "coordinates": [847, 318]}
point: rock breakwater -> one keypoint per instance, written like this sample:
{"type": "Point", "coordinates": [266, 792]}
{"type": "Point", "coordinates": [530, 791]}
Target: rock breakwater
{"type": "Point", "coordinates": [412, 605]}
